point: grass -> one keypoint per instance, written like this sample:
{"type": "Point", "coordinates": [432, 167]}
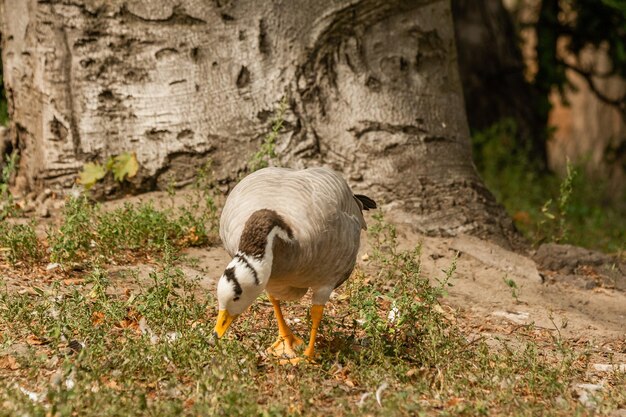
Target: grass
{"type": "Point", "coordinates": [89, 234]}
{"type": "Point", "coordinates": [19, 243]}
{"type": "Point", "coordinates": [575, 209]}
{"type": "Point", "coordinates": [142, 345]}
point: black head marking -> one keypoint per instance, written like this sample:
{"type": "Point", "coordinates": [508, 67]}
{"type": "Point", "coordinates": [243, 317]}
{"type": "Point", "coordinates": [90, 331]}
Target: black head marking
{"type": "Point", "coordinates": [230, 277]}
{"type": "Point", "coordinates": [248, 265]}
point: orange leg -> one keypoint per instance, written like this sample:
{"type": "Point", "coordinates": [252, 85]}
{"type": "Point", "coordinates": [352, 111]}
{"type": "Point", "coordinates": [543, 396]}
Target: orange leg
{"type": "Point", "coordinates": [287, 341]}
{"type": "Point", "coordinates": [316, 318]}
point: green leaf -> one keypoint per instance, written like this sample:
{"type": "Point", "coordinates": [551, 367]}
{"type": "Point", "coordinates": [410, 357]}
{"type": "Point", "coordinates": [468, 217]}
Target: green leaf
{"type": "Point", "coordinates": [108, 165]}
{"type": "Point", "coordinates": [125, 166]}
{"type": "Point", "coordinates": [91, 173]}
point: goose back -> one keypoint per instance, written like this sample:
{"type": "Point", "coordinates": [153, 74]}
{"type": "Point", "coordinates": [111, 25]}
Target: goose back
{"type": "Point", "coordinates": [320, 209]}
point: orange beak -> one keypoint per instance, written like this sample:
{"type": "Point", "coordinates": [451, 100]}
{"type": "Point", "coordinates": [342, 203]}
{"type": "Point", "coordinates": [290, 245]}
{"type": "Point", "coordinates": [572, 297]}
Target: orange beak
{"type": "Point", "coordinates": [224, 319]}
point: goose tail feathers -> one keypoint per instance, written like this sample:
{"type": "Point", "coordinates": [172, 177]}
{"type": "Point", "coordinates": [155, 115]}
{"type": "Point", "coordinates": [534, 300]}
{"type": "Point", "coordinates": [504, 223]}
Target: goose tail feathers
{"type": "Point", "coordinates": [365, 202]}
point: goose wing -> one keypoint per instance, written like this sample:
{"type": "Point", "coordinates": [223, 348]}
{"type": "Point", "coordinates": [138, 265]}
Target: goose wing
{"type": "Point", "coordinates": [307, 199]}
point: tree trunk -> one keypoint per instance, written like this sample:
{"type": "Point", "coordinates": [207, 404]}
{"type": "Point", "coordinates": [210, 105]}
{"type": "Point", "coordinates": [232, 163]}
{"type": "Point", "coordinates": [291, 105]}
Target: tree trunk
{"type": "Point", "coordinates": [372, 88]}
{"type": "Point", "coordinates": [492, 74]}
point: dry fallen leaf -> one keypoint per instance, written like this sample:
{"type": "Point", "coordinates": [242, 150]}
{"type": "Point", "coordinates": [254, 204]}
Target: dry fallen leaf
{"type": "Point", "coordinates": [33, 396]}
{"type": "Point", "coordinates": [453, 401]}
{"type": "Point", "coordinates": [29, 290]}
{"type": "Point", "coordinates": [129, 324]}
{"type": "Point", "coordinates": [192, 236]}
{"type": "Point", "coordinates": [35, 340]}
{"type": "Point", "coordinates": [97, 318]}
{"type": "Point", "coordinates": [363, 398]}
{"type": "Point", "coordinates": [131, 320]}
{"type": "Point", "coordinates": [9, 362]}
{"type": "Point", "coordinates": [343, 297]}
{"type": "Point", "coordinates": [111, 383]}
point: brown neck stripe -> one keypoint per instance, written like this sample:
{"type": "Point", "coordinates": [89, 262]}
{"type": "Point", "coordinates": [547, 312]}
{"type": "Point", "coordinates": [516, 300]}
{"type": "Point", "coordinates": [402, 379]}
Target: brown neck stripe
{"type": "Point", "coordinates": [259, 225]}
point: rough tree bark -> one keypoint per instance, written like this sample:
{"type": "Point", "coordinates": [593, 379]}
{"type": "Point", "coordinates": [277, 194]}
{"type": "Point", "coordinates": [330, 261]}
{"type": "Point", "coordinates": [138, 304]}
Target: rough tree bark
{"type": "Point", "coordinates": [372, 88]}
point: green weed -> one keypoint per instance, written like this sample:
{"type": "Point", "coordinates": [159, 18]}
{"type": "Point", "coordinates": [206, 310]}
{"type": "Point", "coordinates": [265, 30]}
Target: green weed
{"type": "Point", "coordinates": [201, 213]}
{"type": "Point", "coordinates": [513, 287]}
{"type": "Point", "coordinates": [555, 224]}
{"type": "Point", "coordinates": [267, 152]}
{"type": "Point", "coordinates": [396, 332]}
{"type": "Point", "coordinates": [19, 243]}
{"type": "Point", "coordinates": [7, 204]}
{"type": "Point", "coordinates": [116, 353]}
{"type": "Point", "coordinates": [72, 241]}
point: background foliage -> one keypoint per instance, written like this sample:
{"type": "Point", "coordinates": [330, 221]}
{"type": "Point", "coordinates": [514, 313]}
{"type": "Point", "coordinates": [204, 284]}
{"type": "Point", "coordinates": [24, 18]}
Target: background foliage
{"type": "Point", "coordinates": [545, 207]}
{"type": "Point", "coordinates": [584, 24]}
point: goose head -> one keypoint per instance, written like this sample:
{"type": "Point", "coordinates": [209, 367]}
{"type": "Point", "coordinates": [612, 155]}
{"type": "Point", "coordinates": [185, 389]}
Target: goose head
{"type": "Point", "coordinates": [247, 274]}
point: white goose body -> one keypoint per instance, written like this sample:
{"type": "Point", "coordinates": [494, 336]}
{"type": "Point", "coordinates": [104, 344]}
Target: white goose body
{"type": "Point", "coordinates": [287, 231]}
{"type": "Point", "coordinates": [324, 216]}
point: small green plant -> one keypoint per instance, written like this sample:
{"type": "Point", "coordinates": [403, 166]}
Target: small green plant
{"type": "Point", "coordinates": [6, 198]}
{"type": "Point", "coordinates": [73, 240]}
{"type": "Point", "coordinates": [122, 166]}
{"type": "Point", "coordinates": [201, 211]}
{"type": "Point", "coordinates": [19, 243]}
{"type": "Point", "coordinates": [556, 218]}
{"type": "Point", "coordinates": [513, 287]}
{"type": "Point", "coordinates": [384, 236]}
{"type": "Point", "coordinates": [411, 310]}
{"type": "Point", "coordinates": [267, 153]}
{"type": "Point", "coordinates": [142, 228]}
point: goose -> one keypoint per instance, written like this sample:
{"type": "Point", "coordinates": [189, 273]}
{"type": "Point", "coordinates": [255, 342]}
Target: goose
{"type": "Point", "coordinates": [288, 231]}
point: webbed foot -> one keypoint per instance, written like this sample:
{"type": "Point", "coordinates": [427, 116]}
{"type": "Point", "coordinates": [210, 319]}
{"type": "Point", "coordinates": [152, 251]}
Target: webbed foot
{"type": "Point", "coordinates": [285, 345]}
